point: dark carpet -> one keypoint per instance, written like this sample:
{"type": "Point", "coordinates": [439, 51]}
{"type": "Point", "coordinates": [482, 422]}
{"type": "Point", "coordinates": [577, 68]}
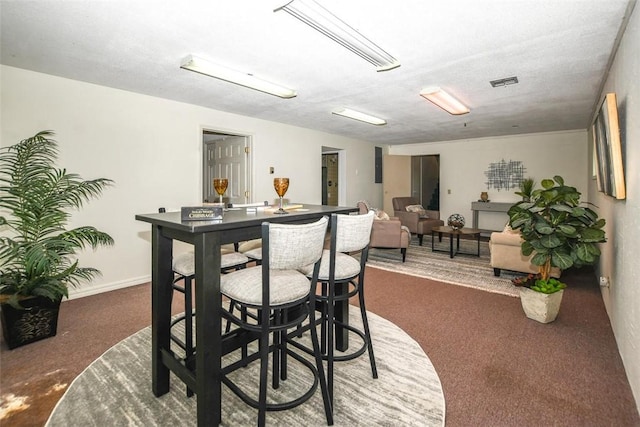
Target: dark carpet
{"type": "Point", "coordinates": [497, 367]}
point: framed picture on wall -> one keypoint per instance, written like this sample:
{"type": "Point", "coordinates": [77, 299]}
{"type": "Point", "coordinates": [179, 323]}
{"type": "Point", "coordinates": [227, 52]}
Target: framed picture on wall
{"type": "Point", "coordinates": [608, 149]}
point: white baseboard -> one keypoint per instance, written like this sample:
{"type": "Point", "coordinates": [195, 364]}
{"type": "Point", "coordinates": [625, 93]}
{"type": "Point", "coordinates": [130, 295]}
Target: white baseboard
{"type": "Point", "coordinates": [94, 290]}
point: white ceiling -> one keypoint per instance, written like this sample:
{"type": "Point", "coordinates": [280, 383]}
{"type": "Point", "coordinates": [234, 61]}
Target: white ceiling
{"type": "Point", "coordinates": [558, 49]}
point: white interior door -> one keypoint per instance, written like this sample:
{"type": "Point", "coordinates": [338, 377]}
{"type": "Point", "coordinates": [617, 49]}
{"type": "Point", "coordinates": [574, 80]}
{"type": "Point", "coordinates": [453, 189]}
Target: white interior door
{"type": "Point", "coordinates": [226, 157]}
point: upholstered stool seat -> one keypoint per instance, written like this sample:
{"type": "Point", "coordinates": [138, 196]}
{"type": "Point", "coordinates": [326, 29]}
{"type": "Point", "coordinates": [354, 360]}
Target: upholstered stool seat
{"type": "Point", "coordinates": [184, 264]}
{"type": "Point", "coordinates": [254, 254]}
{"type": "Point", "coordinates": [246, 286]}
{"type": "Point", "coordinates": [249, 245]}
{"type": "Point", "coordinates": [347, 266]}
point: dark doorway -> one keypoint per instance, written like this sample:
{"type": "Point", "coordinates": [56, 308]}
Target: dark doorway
{"type": "Point", "coordinates": [425, 180]}
{"type": "Point", "coordinates": [330, 175]}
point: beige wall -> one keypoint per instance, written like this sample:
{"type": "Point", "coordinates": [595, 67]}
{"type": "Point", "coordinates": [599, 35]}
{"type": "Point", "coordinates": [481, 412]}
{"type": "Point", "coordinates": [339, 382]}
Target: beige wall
{"type": "Point", "coordinates": [620, 253]}
{"type": "Point", "coordinates": [463, 165]}
{"type": "Point", "coordinates": [152, 149]}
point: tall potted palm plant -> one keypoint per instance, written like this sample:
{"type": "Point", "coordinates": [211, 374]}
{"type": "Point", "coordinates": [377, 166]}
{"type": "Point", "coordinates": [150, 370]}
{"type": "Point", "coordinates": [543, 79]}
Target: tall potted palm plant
{"type": "Point", "coordinates": [560, 232]}
{"type": "Point", "coordinates": [37, 253]}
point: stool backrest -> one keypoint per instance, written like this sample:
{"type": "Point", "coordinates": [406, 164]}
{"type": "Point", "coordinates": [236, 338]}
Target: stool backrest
{"type": "Point", "coordinates": [353, 232]}
{"type": "Point", "coordinates": [292, 246]}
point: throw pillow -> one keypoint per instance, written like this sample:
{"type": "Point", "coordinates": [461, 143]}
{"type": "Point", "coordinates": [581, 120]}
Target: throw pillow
{"type": "Point", "coordinates": [508, 229]}
{"type": "Point", "coordinates": [422, 212]}
{"type": "Point", "coordinates": [381, 215]}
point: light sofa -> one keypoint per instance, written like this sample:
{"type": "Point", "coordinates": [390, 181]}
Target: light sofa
{"type": "Point", "coordinates": [506, 254]}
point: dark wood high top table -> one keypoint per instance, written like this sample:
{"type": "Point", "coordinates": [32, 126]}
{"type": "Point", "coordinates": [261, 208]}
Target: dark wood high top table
{"type": "Point", "coordinates": [206, 237]}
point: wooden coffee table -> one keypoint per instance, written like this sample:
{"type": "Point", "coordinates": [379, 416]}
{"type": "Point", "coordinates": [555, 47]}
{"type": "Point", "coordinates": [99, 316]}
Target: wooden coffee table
{"type": "Point", "coordinates": [448, 231]}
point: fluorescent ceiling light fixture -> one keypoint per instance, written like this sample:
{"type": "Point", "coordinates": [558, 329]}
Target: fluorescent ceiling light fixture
{"type": "Point", "coordinates": [356, 115]}
{"type": "Point", "coordinates": [444, 100]}
{"type": "Point", "coordinates": [199, 65]}
{"type": "Point", "coordinates": [319, 18]}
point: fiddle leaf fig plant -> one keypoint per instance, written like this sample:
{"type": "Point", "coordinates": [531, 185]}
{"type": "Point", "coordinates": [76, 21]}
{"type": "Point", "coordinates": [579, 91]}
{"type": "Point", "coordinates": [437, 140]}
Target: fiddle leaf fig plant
{"type": "Point", "coordinates": [37, 252]}
{"type": "Point", "coordinates": [558, 229]}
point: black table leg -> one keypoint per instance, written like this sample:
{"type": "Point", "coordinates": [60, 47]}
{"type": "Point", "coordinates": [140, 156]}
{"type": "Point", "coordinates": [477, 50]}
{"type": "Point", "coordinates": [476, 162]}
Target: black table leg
{"type": "Point", "coordinates": [161, 293]}
{"type": "Point", "coordinates": [208, 329]}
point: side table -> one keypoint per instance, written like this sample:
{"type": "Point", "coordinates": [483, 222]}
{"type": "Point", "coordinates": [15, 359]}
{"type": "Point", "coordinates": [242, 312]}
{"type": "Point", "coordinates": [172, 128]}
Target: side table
{"type": "Point", "coordinates": [448, 231]}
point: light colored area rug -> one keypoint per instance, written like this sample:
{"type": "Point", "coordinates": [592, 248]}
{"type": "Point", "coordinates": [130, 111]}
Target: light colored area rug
{"type": "Point", "coordinates": [115, 390]}
{"type": "Point", "coordinates": [462, 270]}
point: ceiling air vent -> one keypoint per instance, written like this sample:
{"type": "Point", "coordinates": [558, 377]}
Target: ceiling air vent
{"type": "Point", "coordinates": [504, 82]}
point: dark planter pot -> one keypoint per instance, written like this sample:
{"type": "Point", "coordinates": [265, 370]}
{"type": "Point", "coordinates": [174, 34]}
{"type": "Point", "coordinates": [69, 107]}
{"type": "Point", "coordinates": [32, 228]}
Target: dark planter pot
{"type": "Point", "coordinates": [37, 320]}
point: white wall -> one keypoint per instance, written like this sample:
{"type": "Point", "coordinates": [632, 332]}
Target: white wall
{"type": "Point", "coordinates": [152, 149]}
{"type": "Point", "coordinates": [463, 165]}
{"type": "Point", "coordinates": [620, 253]}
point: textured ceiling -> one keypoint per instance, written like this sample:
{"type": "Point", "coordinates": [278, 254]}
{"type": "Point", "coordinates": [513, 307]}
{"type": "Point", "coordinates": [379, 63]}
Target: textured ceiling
{"type": "Point", "coordinates": [558, 49]}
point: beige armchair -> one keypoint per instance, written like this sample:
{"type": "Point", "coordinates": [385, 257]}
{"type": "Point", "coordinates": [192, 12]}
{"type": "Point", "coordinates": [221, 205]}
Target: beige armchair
{"type": "Point", "coordinates": [419, 223]}
{"type": "Point", "coordinates": [506, 254]}
{"type": "Point", "coordinates": [388, 233]}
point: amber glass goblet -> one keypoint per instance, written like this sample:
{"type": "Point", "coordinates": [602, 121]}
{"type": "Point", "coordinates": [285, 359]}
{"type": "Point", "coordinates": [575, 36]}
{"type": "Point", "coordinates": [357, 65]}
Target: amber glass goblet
{"type": "Point", "coordinates": [281, 185]}
{"type": "Point", "coordinates": [220, 185]}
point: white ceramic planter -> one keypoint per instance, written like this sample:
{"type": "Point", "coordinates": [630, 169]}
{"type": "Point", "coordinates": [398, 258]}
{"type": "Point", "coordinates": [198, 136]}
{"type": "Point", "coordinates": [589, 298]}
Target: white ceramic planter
{"type": "Point", "coordinates": [540, 307]}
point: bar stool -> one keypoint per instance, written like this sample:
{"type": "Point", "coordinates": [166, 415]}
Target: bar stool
{"type": "Point", "coordinates": [183, 267]}
{"type": "Point", "coordinates": [349, 234]}
{"type": "Point", "coordinates": [184, 271]}
{"type": "Point", "coordinates": [283, 299]}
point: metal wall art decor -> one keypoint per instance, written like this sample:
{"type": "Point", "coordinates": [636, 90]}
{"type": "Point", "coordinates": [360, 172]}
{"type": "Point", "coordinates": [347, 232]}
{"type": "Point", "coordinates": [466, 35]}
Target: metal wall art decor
{"type": "Point", "coordinates": [505, 175]}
